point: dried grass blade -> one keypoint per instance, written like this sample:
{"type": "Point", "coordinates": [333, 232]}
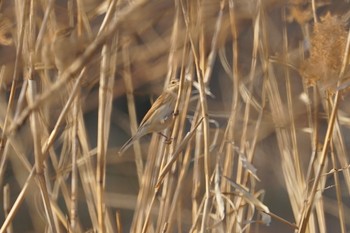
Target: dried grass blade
{"type": "Point", "coordinates": [6, 201]}
{"type": "Point", "coordinates": [251, 199]}
{"type": "Point", "coordinates": [78, 63]}
{"type": "Point", "coordinates": [311, 198]}
{"type": "Point", "coordinates": [39, 162]}
{"type": "Point", "coordinates": [74, 185]}
{"type": "Point", "coordinates": [15, 74]}
{"type": "Point", "coordinates": [176, 153]}
{"type": "Point", "coordinates": [132, 108]}
{"type": "Point", "coordinates": [17, 203]}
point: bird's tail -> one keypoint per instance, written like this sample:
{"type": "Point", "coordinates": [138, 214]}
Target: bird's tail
{"type": "Point", "coordinates": [128, 143]}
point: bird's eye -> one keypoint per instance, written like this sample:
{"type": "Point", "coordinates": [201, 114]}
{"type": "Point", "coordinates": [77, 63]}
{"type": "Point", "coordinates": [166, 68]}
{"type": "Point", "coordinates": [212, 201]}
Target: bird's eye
{"type": "Point", "coordinates": [173, 82]}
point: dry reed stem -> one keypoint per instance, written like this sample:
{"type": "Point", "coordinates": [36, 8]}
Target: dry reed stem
{"type": "Point", "coordinates": [74, 186]}
{"type": "Point", "coordinates": [338, 193]}
{"type": "Point", "coordinates": [175, 41]}
{"type": "Point", "coordinates": [166, 217]}
{"type": "Point", "coordinates": [295, 152]}
{"type": "Point", "coordinates": [146, 222]}
{"type": "Point", "coordinates": [312, 113]}
{"type": "Point", "coordinates": [43, 26]}
{"type": "Point", "coordinates": [160, 224]}
{"type": "Point", "coordinates": [61, 217]}
{"type": "Point", "coordinates": [169, 182]}
{"type": "Point", "coordinates": [108, 17]}
{"type": "Point", "coordinates": [311, 197]}
{"type": "Point", "coordinates": [340, 147]}
{"type": "Point", "coordinates": [241, 176]}
{"type": "Point", "coordinates": [131, 108]}
{"type": "Point", "coordinates": [118, 222]}
{"type": "Point", "coordinates": [147, 192]}
{"type": "Point", "coordinates": [35, 125]}
{"type": "Point", "coordinates": [313, 5]}
{"type": "Point", "coordinates": [39, 157]}
{"type": "Point", "coordinates": [183, 171]}
{"type": "Point", "coordinates": [229, 131]}
{"type": "Point", "coordinates": [87, 176]}
{"type": "Point", "coordinates": [252, 75]}
{"type": "Point", "coordinates": [78, 63]}
{"type": "Point", "coordinates": [337, 146]}
{"type": "Point", "coordinates": [51, 137]}
{"type": "Point", "coordinates": [102, 138]}
{"type": "Point", "coordinates": [176, 153]}
{"type": "Point", "coordinates": [203, 78]}
{"type": "Point", "coordinates": [279, 117]}
{"type": "Point", "coordinates": [193, 163]}
{"type": "Point", "coordinates": [7, 204]}
{"type": "Point", "coordinates": [17, 203]}
{"type": "Point", "coordinates": [83, 20]}
{"type": "Point", "coordinates": [105, 109]}
{"type": "Point", "coordinates": [14, 77]}
{"type": "Point", "coordinates": [54, 133]}
{"type": "Point", "coordinates": [5, 154]}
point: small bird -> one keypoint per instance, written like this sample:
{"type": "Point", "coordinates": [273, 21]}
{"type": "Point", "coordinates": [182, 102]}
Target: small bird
{"type": "Point", "coordinates": [65, 47]}
{"type": "Point", "coordinates": [158, 117]}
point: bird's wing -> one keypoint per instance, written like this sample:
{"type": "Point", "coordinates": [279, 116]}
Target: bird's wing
{"type": "Point", "coordinates": [166, 100]}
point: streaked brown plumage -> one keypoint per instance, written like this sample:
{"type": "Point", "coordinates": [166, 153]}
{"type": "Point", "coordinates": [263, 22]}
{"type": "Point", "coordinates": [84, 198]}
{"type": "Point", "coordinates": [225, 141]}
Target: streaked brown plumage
{"type": "Point", "coordinates": [158, 117]}
{"type": "Point", "coordinates": [65, 47]}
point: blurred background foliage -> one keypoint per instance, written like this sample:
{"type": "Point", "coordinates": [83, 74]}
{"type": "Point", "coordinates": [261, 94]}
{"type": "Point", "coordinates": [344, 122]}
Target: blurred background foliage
{"type": "Point", "coordinates": [269, 93]}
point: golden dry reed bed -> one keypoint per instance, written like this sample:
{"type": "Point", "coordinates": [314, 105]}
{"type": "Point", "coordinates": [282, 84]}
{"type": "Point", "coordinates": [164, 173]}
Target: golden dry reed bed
{"type": "Point", "coordinates": [251, 132]}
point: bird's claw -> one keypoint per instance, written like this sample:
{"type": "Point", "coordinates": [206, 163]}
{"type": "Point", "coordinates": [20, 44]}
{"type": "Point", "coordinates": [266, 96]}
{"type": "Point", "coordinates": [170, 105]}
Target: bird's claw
{"type": "Point", "coordinates": [168, 141]}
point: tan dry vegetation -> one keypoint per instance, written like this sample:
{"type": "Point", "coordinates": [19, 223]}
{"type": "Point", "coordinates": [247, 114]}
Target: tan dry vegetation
{"type": "Point", "coordinates": [261, 133]}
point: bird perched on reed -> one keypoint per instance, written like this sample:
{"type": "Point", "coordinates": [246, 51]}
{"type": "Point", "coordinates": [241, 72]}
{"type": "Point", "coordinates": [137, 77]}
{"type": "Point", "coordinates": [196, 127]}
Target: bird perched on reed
{"type": "Point", "coordinates": [158, 117]}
